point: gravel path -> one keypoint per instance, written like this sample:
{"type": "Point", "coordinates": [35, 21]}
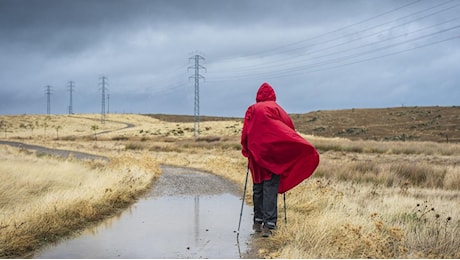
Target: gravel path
{"type": "Point", "coordinates": [55, 152]}
{"type": "Point", "coordinates": [186, 181]}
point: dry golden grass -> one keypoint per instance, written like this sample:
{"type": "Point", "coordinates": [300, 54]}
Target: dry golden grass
{"type": "Point", "coordinates": [76, 127]}
{"type": "Point", "coordinates": [53, 126]}
{"type": "Point", "coordinates": [365, 206]}
{"type": "Point", "coordinates": [43, 198]}
{"type": "Point", "coordinates": [361, 202]}
{"type": "Point", "coordinates": [389, 147]}
{"type": "Point", "coordinates": [329, 219]}
{"type": "Point", "coordinates": [338, 218]}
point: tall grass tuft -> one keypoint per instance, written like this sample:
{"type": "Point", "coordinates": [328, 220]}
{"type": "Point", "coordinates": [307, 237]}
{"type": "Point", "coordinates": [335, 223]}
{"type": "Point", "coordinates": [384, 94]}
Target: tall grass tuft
{"type": "Point", "coordinates": [431, 233]}
{"type": "Point", "coordinates": [420, 174]}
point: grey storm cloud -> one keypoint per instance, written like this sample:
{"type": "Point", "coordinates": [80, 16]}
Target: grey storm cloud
{"type": "Point", "coordinates": [317, 54]}
{"type": "Point", "coordinates": [42, 22]}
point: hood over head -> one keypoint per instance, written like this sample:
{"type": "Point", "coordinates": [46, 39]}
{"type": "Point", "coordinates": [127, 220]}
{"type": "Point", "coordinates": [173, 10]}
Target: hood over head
{"type": "Point", "coordinates": [265, 93]}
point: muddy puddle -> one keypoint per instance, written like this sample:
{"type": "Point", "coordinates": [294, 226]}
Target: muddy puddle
{"type": "Point", "coordinates": [187, 214]}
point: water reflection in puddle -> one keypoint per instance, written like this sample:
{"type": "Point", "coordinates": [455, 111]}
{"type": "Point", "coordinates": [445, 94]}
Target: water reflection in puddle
{"type": "Point", "coordinates": [183, 226]}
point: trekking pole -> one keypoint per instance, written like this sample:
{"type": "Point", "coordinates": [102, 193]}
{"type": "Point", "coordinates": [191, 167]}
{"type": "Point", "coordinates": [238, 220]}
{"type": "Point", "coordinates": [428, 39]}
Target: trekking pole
{"type": "Point", "coordinates": [242, 203]}
{"type": "Point", "coordinates": [285, 215]}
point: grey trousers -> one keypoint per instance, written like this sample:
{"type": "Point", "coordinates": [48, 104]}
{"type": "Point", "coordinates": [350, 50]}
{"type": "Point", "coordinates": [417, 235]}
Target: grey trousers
{"type": "Point", "coordinates": [265, 198]}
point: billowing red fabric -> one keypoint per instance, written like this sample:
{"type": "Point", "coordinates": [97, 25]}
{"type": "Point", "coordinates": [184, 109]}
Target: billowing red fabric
{"type": "Point", "coordinates": [272, 145]}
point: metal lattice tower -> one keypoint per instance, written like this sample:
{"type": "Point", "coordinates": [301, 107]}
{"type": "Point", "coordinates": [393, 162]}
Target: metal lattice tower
{"type": "Point", "coordinates": [103, 83]}
{"type": "Point", "coordinates": [108, 103]}
{"type": "Point", "coordinates": [48, 94]}
{"type": "Point", "coordinates": [197, 76]}
{"type": "Point", "coordinates": [70, 88]}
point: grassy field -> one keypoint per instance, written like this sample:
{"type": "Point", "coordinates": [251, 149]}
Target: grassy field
{"type": "Point", "coordinates": [439, 124]}
{"type": "Point", "coordinates": [392, 199]}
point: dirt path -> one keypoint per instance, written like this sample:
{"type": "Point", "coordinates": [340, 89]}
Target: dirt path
{"type": "Point", "coordinates": [55, 152]}
{"type": "Point", "coordinates": [176, 181]}
{"type": "Point", "coordinates": [128, 125]}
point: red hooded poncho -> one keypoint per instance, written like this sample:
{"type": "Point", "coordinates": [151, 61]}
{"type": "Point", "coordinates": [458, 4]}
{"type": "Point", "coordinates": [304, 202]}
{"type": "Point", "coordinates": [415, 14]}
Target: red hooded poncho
{"type": "Point", "coordinates": [272, 145]}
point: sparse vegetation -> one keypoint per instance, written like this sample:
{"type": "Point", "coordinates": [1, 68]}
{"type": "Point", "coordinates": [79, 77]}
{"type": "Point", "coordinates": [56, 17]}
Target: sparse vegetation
{"type": "Point", "coordinates": [4, 126]}
{"type": "Point", "coordinates": [94, 128]}
{"type": "Point", "coordinates": [439, 124]}
{"type": "Point", "coordinates": [57, 128]}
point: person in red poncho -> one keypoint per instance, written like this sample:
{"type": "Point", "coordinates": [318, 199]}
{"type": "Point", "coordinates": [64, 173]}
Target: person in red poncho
{"type": "Point", "coordinates": [278, 157]}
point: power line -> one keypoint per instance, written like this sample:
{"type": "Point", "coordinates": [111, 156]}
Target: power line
{"type": "Point", "coordinates": [393, 38]}
{"type": "Point", "coordinates": [165, 84]}
{"type": "Point", "coordinates": [182, 84]}
{"type": "Point", "coordinates": [338, 56]}
{"type": "Point", "coordinates": [342, 58]}
{"type": "Point", "coordinates": [373, 27]}
{"type": "Point", "coordinates": [311, 69]}
{"type": "Point", "coordinates": [305, 57]}
{"type": "Point", "coordinates": [285, 48]}
{"type": "Point", "coordinates": [344, 49]}
{"type": "Point", "coordinates": [172, 74]}
{"type": "Point", "coordinates": [282, 60]}
{"type": "Point", "coordinates": [349, 54]}
{"type": "Point", "coordinates": [392, 53]}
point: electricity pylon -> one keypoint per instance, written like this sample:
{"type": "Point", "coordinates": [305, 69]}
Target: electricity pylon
{"type": "Point", "coordinates": [103, 83]}
{"type": "Point", "coordinates": [48, 93]}
{"type": "Point", "coordinates": [197, 76]}
{"type": "Point", "coordinates": [70, 88]}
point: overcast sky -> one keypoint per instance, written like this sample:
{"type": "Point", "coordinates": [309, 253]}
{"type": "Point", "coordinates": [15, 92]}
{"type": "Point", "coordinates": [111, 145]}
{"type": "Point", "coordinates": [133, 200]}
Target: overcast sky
{"type": "Point", "coordinates": [318, 55]}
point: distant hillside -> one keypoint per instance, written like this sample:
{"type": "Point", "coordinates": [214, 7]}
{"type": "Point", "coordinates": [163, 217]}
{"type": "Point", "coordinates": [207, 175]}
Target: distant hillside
{"type": "Point", "coordinates": [438, 124]}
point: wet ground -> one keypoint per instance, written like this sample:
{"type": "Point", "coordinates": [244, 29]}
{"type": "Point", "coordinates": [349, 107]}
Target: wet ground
{"type": "Point", "coordinates": [187, 214]}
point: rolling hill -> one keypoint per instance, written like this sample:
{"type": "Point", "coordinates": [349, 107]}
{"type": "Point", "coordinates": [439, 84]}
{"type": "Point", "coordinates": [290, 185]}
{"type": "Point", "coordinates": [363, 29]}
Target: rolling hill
{"type": "Point", "coordinates": [439, 124]}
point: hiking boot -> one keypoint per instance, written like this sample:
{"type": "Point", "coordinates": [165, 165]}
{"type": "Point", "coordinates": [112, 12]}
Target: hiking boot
{"type": "Point", "coordinates": [266, 232]}
{"type": "Point", "coordinates": [257, 227]}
